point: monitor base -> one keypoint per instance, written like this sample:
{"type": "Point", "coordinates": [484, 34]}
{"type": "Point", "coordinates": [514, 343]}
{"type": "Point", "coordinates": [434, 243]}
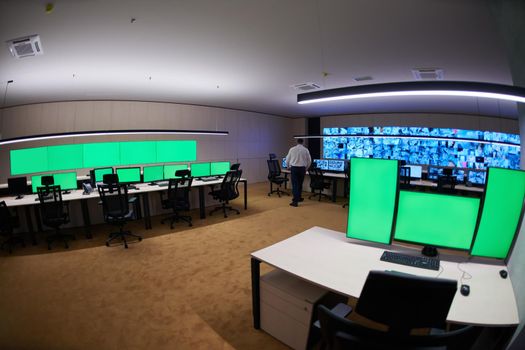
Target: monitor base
{"type": "Point", "coordinates": [66, 192]}
{"type": "Point", "coordinates": [429, 251]}
{"type": "Point", "coordinates": [20, 196]}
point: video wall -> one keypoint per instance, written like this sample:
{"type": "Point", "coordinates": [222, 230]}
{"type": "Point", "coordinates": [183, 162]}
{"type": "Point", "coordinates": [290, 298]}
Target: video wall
{"type": "Point", "coordinates": [459, 153]}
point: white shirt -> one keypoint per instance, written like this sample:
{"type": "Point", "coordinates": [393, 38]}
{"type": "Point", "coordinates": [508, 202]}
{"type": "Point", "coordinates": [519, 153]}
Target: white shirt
{"type": "Point", "coordinates": [298, 156]}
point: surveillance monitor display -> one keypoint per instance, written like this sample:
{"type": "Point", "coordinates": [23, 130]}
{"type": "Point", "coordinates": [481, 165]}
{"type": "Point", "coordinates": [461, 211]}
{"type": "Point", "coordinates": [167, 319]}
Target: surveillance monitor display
{"type": "Point", "coordinates": [500, 217]}
{"type": "Point", "coordinates": [67, 181]}
{"type": "Point", "coordinates": [321, 164]}
{"type": "Point", "coordinates": [171, 169]}
{"type": "Point", "coordinates": [436, 220]}
{"type": "Point", "coordinates": [200, 169]}
{"type": "Point", "coordinates": [434, 172]}
{"type": "Point", "coordinates": [100, 172]}
{"type": "Point", "coordinates": [128, 175]}
{"type": "Point", "coordinates": [17, 186]}
{"type": "Point", "coordinates": [219, 168]}
{"type": "Point", "coordinates": [336, 165]}
{"type": "Point", "coordinates": [476, 177]}
{"type": "Point", "coordinates": [459, 174]}
{"type": "Point", "coordinates": [153, 173]}
{"type": "Point", "coordinates": [415, 171]}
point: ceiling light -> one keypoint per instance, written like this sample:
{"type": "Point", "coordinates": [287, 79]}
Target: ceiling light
{"type": "Point", "coordinates": [417, 88]}
{"type": "Point", "coordinates": [110, 133]}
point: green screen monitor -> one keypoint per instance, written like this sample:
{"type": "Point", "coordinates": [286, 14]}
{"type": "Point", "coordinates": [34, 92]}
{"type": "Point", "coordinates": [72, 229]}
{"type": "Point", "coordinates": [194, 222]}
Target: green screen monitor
{"type": "Point", "coordinates": [372, 199]}
{"type": "Point", "coordinates": [29, 160]}
{"type": "Point", "coordinates": [169, 170]}
{"type": "Point", "coordinates": [219, 168]}
{"type": "Point", "coordinates": [153, 173]}
{"type": "Point", "coordinates": [128, 175]}
{"type": "Point", "coordinates": [36, 181]}
{"type": "Point", "coordinates": [100, 172]}
{"type": "Point", "coordinates": [200, 169]}
{"type": "Point", "coordinates": [436, 220]}
{"type": "Point", "coordinates": [67, 181]}
{"type": "Point", "coordinates": [500, 216]}
{"type": "Point", "coordinates": [65, 157]}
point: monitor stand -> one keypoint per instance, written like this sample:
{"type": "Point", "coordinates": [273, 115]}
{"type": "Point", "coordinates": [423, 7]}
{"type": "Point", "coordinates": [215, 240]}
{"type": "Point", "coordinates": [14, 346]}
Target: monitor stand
{"type": "Point", "coordinates": [429, 251]}
{"type": "Point", "coordinates": [152, 183]}
{"type": "Point", "coordinates": [66, 192]}
{"type": "Point", "coordinates": [20, 196]}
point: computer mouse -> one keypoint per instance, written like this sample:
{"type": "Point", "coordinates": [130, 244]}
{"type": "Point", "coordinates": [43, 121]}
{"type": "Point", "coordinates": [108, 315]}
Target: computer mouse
{"type": "Point", "coordinates": [503, 273]}
{"type": "Point", "coordinates": [465, 289]}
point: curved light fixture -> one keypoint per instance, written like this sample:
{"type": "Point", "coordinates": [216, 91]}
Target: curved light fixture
{"type": "Point", "coordinates": [111, 133]}
{"type": "Point", "coordinates": [417, 88]}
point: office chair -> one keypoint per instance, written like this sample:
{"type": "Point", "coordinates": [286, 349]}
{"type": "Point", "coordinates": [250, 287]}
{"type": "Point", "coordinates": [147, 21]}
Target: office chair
{"type": "Point", "coordinates": [272, 156]}
{"type": "Point", "coordinates": [54, 212]}
{"type": "Point", "coordinates": [446, 184]}
{"type": "Point", "coordinates": [340, 333]}
{"type": "Point", "coordinates": [228, 191]}
{"type": "Point", "coordinates": [178, 197]}
{"type": "Point", "coordinates": [115, 208]}
{"type": "Point", "coordinates": [275, 177]}
{"type": "Point", "coordinates": [317, 183]}
{"type": "Point", "coordinates": [235, 166]}
{"type": "Point", "coordinates": [8, 223]}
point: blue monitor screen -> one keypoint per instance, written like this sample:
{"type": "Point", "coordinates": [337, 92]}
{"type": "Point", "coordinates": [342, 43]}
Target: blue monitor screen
{"type": "Point", "coordinates": [461, 153]}
{"type": "Point", "coordinates": [283, 165]}
{"type": "Point", "coordinates": [477, 177]}
{"type": "Point", "coordinates": [321, 164]}
{"type": "Point", "coordinates": [336, 165]}
{"type": "Point", "coordinates": [460, 175]}
{"type": "Point", "coordinates": [434, 172]}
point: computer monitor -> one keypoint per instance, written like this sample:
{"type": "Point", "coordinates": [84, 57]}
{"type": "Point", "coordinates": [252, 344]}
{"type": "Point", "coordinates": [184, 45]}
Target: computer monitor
{"type": "Point", "coordinates": [36, 181]}
{"type": "Point", "coordinates": [219, 168]}
{"type": "Point", "coordinates": [460, 175]}
{"type": "Point", "coordinates": [17, 186]}
{"type": "Point", "coordinates": [200, 169]}
{"type": "Point", "coordinates": [67, 181]}
{"type": "Point", "coordinates": [434, 172]}
{"type": "Point", "coordinates": [336, 165]}
{"type": "Point", "coordinates": [476, 178]}
{"type": "Point", "coordinates": [100, 172]}
{"type": "Point", "coordinates": [129, 175]}
{"type": "Point", "coordinates": [415, 171]}
{"type": "Point", "coordinates": [321, 164]}
{"type": "Point", "coordinates": [499, 221]}
{"type": "Point", "coordinates": [171, 169]}
{"type": "Point", "coordinates": [436, 220]}
{"type": "Point", "coordinates": [284, 165]}
{"type": "Point", "coordinates": [153, 173]}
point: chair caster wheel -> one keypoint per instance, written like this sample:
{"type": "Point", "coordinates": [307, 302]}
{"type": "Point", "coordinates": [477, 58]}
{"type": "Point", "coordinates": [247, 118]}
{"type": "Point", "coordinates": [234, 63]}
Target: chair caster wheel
{"type": "Point", "coordinates": [140, 239]}
{"type": "Point", "coordinates": [107, 244]}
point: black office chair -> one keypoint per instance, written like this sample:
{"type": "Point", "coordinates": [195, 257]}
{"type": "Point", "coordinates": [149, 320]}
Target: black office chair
{"type": "Point", "coordinates": [115, 208]}
{"type": "Point", "coordinates": [178, 197]}
{"type": "Point", "coordinates": [8, 223]}
{"type": "Point", "coordinates": [340, 333]}
{"type": "Point", "coordinates": [235, 166]}
{"type": "Point", "coordinates": [272, 156]}
{"type": "Point", "coordinates": [446, 184]}
{"type": "Point", "coordinates": [54, 212]}
{"type": "Point", "coordinates": [227, 191]}
{"type": "Point", "coordinates": [318, 183]}
{"type": "Point", "coordinates": [275, 177]}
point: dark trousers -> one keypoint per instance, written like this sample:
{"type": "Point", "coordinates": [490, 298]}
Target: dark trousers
{"type": "Point", "coordinates": [297, 174]}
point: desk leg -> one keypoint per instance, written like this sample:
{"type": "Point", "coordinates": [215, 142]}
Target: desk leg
{"type": "Point", "coordinates": [30, 224]}
{"type": "Point", "coordinates": [334, 189]}
{"type": "Point", "coordinates": [37, 218]}
{"type": "Point", "coordinates": [202, 205]}
{"type": "Point", "coordinates": [85, 217]}
{"type": "Point", "coordinates": [256, 295]}
{"type": "Point", "coordinates": [245, 194]}
{"type": "Point", "coordinates": [147, 215]}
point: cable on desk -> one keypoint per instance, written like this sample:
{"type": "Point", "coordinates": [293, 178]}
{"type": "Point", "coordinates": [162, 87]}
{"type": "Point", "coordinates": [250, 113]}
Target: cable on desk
{"type": "Point", "coordinates": [465, 275]}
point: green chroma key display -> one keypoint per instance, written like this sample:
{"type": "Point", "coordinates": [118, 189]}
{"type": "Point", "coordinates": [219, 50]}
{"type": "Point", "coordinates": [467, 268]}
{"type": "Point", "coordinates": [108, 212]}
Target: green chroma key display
{"type": "Point", "coordinates": [200, 169]}
{"type": "Point", "coordinates": [502, 208]}
{"type": "Point", "coordinates": [373, 187]}
{"type": "Point", "coordinates": [169, 170]}
{"type": "Point", "coordinates": [219, 168]}
{"type": "Point", "coordinates": [128, 175]}
{"type": "Point", "coordinates": [436, 219]}
{"type": "Point", "coordinates": [100, 154]}
{"type": "Point", "coordinates": [153, 173]}
{"type": "Point", "coordinates": [67, 181]}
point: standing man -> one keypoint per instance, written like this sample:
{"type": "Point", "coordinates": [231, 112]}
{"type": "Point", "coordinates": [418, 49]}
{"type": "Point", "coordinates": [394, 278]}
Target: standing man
{"type": "Point", "coordinates": [298, 160]}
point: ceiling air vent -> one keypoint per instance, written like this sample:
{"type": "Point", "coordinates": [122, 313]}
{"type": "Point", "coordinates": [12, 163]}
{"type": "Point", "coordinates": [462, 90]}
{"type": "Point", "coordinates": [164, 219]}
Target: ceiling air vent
{"type": "Point", "coordinates": [306, 86]}
{"type": "Point", "coordinates": [365, 78]}
{"type": "Point", "coordinates": [428, 74]}
{"type": "Point", "coordinates": [26, 46]}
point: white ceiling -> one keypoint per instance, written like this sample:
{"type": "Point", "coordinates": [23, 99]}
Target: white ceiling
{"type": "Point", "coordinates": [245, 54]}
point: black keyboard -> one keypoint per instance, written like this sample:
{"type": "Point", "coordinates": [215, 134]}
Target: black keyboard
{"type": "Point", "coordinates": [208, 178]}
{"type": "Point", "coordinates": [409, 260]}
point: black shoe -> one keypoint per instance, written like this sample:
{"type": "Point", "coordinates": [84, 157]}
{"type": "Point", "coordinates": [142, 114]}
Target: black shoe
{"type": "Point", "coordinates": [301, 199]}
{"type": "Point", "coordinates": [293, 204]}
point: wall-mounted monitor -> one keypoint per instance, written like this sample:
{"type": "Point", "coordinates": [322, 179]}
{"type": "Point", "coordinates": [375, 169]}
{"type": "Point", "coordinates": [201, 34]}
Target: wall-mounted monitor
{"type": "Point", "coordinates": [219, 168]}
{"type": "Point", "coordinates": [153, 173]}
{"type": "Point", "coordinates": [500, 218]}
{"type": "Point", "coordinates": [171, 169]}
{"type": "Point", "coordinates": [200, 169]}
{"type": "Point", "coordinates": [129, 175]}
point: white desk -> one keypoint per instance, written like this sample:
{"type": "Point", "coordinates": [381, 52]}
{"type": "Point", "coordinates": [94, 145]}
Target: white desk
{"type": "Point", "coordinates": [333, 176]}
{"type": "Point", "coordinates": [328, 259]}
{"type": "Point", "coordinates": [426, 183]}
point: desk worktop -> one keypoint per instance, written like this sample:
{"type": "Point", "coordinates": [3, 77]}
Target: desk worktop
{"type": "Point", "coordinates": [329, 259]}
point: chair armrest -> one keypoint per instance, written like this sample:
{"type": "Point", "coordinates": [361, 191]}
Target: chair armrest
{"type": "Point", "coordinates": [341, 310]}
{"type": "Point", "coordinates": [132, 200]}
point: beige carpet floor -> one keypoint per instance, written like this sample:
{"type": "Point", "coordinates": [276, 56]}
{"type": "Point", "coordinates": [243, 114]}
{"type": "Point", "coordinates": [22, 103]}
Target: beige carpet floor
{"type": "Point", "coordinates": [187, 288]}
